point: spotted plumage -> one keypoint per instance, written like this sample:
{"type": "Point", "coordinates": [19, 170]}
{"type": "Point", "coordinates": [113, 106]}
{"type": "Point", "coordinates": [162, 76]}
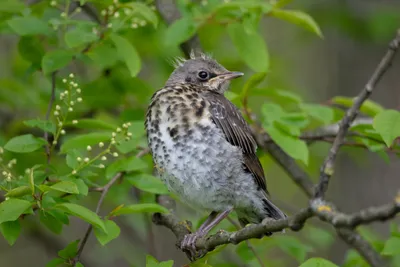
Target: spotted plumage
{"type": "Point", "coordinates": [203, 148]}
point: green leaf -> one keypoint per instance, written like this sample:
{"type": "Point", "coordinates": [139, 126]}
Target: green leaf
{"type": "Point", "coordinates": [84, 140]}
{"type": "Point", "coordinates": [11, 6]}
{"type": "Point", "coordinates": [19, 191]}
{"type": "Point", "coordinates": [93, 124]}
{"type": "Point", "coordinates": [321, 113]}
{"type": "Point", "coordinates": [10, 231]}
{"type": "Point", "coordinates": [148, 183]}
{"type": "Point", "coordinates": [318, 262]}
{"type": "Point", "coordinates": [250, 46]}
{"type": "Point", "coordinates": [369, 107]}
{"type": "Point", "coordinates": [281, 96]}
{"type": "Point", "coordinates": [24, 144]}
{"type": "Point", "coordinates": [113, 232]}
{"type": "Point", "coordinates": [129, 164]}
{"type": "Point", "coordinates": [66, 187]}
{"type": "Point", "coordinates": [104, 55]}
{"type": "Point", "coordinates": [71, 158]}
{"type": "Point", "coordinates": [152, 262]}
{"type": "Point", "coordinates": [55, 60]}
{"type": "Point", "coordinates": [83, 213]}
{"type": "Point", "coordinates": [127, 53]}
{"type": "Point", "coordinates": [31, 49]}
{"type": "Point", "coordinates": [12, 208]}
{"type": "Point", "coordinates": [145, 11]}
{"type": "Point", "coordinates": [139, 208]}
{"type": "Point", "coordinates": [46, 126]}
{"type": "Point", "coordinates": [79, 37]}
{"type": "Point", "coordinates": [28, 26]}
{"type": "Point", "coordinates": [293, 146]}
{"type": "Point", "coordinates": [57, 262]}
{"type": "Point", "coordinates": [254, 80]}
{"type": "Point", "coordinates": [50, 222]}
{"type": "Point", "coordinates": [299, 18]}
{"type": "Point", "coordinates": [392, 246]}
{"type": "Point", "coordinates": [293, 247]}
{"type": "Point", "coordinates": [180, 31]}
{"type": "Point", "coordinates": [70, 251]}
{"type": "Point", "coordinates": [82, 187]}
{"type": "Point", "coordinates": [387, 124]}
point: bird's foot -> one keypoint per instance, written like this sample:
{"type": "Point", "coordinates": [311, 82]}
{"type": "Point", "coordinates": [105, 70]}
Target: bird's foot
{"type": "Point", "coordinates": [189, 245]}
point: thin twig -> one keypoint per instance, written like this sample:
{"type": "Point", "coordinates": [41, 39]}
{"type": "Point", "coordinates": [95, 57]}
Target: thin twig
{"type": "Point", "coordinates": [105, 190]}
{"type": "Point", "coordinates": [327, 167]}
{"type": "Point", "coordinates": [47, 117]}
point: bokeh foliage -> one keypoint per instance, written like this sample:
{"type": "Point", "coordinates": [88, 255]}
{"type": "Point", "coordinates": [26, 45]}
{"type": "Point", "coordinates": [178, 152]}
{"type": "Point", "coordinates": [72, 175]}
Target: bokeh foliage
{"type": "Point", "coordinates": [104, 60]}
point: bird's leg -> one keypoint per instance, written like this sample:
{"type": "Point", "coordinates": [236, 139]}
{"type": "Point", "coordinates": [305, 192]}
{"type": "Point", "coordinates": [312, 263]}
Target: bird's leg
{"type": "Point", "coordinates": [189, 241]}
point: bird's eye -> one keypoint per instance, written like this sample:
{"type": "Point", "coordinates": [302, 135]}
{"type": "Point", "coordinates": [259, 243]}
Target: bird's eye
{"type": "Point", "coordinates": [203, 75]}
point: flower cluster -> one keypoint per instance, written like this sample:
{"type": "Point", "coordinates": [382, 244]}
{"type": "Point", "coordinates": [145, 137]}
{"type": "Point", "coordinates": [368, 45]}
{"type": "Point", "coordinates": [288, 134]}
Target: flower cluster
{"type": "Point", "coordinates": [119, 135]}
{"type": "Point", "coordinates": [69, 98]}
{"type": "Point", "coordinates": [6, 168]}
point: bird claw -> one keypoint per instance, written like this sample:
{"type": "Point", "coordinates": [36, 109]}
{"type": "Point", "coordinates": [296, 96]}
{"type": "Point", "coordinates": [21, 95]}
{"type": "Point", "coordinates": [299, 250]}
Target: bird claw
{"type": "Point", "coordinates": [188, 245]}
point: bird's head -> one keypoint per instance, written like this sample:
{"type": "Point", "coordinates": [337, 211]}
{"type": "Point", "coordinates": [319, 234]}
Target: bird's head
{"type": "Point", "coordinates": [202, 70]}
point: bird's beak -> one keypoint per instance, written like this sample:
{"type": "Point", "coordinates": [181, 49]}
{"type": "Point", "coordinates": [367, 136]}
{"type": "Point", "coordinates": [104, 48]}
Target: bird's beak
{"type": "Point", "coordinates": [230, 75]}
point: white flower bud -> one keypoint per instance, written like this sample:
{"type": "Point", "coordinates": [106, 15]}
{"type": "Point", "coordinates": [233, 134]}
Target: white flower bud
{"type": "Point", "coordinates": [101, 166]}
{"type": "Point", "coordinates": [101, 144]}
{"type": "Point", "coordinates": [79, 99]}
{"type": "Point", "coordinates": [75, 122]}
{"type": "Point", "coordinates": [113, 134]}
{"type": "Point", "coordinates": [86, 160]}
{"type": "Point", "coordinates": [78, 90]}
{"type": "Point", "coordinates": [54, 142]}
{"type": "Point", "coordinates": [119, 130]}
{"type": "Point", "coordinates": [70, 109]}
{"type": "Point", "coordinates": [74, 172]}
{"type": "Point", "coordinates": [88, 148]}
{"type": "Point", "coordinates": [79, 159]}
{"type": "Point", "coordinates": [64, 80]}
{"type": "Point", "coordinates": [115, 154]}
{"type": "Point", "coordinates": [62, 132]}
{"type": "Point", "coordinates": [103, 158]}
{"type": "Point", "coordinates": [71, 75]}
{"type": "Point", "coordinates": [58, 107]}
{"type": "Point", "coordinates": [72, 103]}
{"type": "Point", "coordinates": [56, 113]}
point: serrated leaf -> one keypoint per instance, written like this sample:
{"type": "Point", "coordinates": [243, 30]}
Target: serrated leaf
{"type": "Point", "coordinates": [127, 53]}
{"type": "Point", "coordinates": [250, 46]}
{"type": "Point", "coordinates": [79, 37]}
{"type": "Point", "coordinates": [113, 232]}
{"type": "Point", "coordinates": [369, 107]}
{"type": "Point", "coordinates": [321, 113]}
{"type": "Point", "coordinates": [299, 18]}
{"type": "Point", "coordinates": [93, 124]}
{"type": "Point", "coordinates": [10, 231]}
{"type": "Point", "coordinates": [83, 213]}
{"type": "Point", "coordinates": [138, 208]}
{"type": "Point", "coordinates": [24, 144]}
{"type": "Point", "coordinates": [318, 262]}
{"type": "Point", "coordinates": [19, 191]}
{"type": "Point", "coordinates": [392, 246]}
{"type": "Point", "coordinates": [12, 208]}
{"type": "Point", "coordinates": [29, 26]}
{"type": "Point", "coordinates": [55, 60]}
{"type": "Point", "coordinates": [387, 124]}
{"type": "Point", "coordinates": [145, 11]}
{"type": "Point", "coordinates": [46, 126]}
{"type": "Point", "coordinates": [70, 251]}
{"type": "Point", "coordinates": [148, 183]}
{"type": "Point", "coordinates": [180, 31]}
{"type": "Point", "coordinates": [84, 140]}
{"type": "Point", "coordinates": [66, 187]}
{"type": "Point", "coordinates": [71, 158]}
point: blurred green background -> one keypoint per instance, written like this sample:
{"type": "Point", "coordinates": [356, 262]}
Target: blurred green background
{"type": "Point", "coordinates": [355, 35]}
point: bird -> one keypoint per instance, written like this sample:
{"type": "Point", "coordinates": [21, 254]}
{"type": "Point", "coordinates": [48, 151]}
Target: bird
{"type": "Point", "coordinates": [204, 150]}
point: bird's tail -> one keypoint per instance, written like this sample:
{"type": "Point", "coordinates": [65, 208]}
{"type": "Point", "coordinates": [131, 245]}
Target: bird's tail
{"type": "Point", "coordinates": [269, 210]}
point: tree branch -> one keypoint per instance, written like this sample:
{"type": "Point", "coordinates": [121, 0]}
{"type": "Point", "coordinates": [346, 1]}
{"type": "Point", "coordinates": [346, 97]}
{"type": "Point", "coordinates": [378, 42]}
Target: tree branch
{"type": "Point", "coordinates": [327, 168]}
{"type": "Point", "coordinates": [47, 117]}
{"type": "Point", "coordinates": [105, 190]}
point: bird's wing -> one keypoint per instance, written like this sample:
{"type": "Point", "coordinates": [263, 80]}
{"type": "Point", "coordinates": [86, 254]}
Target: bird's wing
{"type": "Point", "coordinates": [237, 132]}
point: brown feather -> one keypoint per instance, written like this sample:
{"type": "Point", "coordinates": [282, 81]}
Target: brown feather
{"type": "Point", "coordinates": [237, 132]}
